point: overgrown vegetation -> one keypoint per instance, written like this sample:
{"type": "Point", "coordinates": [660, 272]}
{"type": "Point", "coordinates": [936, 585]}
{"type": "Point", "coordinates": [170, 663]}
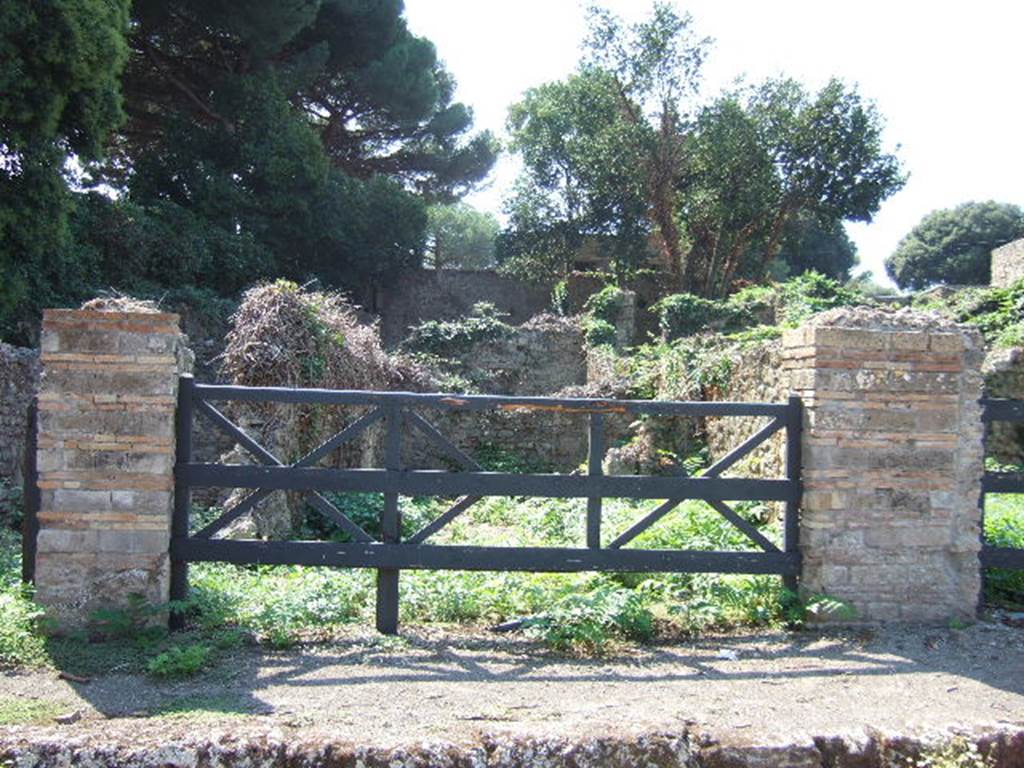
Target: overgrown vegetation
{"type": "Point", "coordinates": [283, 605]}
{"type": "Point", "coordinates": [786, 304]}
{"type": "Point", "coordinates": [1004, 527]}
{"type": "Point", "coordinates": [601, 312]}
{"type": "Point", "coordinates": [444, 338]}
{"type": "Point", "coordinates": [997, 312]}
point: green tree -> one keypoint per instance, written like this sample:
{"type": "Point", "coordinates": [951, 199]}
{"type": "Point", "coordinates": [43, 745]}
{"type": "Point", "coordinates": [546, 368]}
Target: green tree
{"type": "Point", "coordinates": [581, 180]}
{"type": "Point", "coordinates": [812, 244]}
{"type": "Point", "coordinates": [954, 245]}
{"type": "Point", "coordinates": [769, 156]}
{"type": "Point", "coordinates": [283, 120]}
{"type": "Point", "coordinates": [616, 151]}
{"type": "Point", "coordinates": [460, 236]}
{"type": "Point", "coordinates": [60, 66]}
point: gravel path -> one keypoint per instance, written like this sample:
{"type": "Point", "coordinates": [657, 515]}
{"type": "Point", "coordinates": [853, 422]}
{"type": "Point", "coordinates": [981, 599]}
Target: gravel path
{"type": "Point", "coordinates": [434, 685]}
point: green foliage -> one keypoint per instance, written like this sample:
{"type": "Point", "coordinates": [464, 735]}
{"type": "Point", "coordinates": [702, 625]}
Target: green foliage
{"type": "Point", "coordinates": [62, 63]}
{"type": "Point", "coordinates": [134, 621]}
{"type": "Point", "coordinates": [497, 458]}
{"type": "Point", "coordinates": [29, 711]}
{"type": "Point", "coordinates": [606, 304]}
{"type": "Point", "coordinates": [954, 245]}
{"type": "Point", "coordinates": [1004, 527]}
{"type": "Point", "coordinates": [449, 337]}
{"type": "Point", "coordinates": [812, 292]}
{"type": "Point", "coordinates": [616, 162]}
{"type": "Point", "coordinates": [180, 661]}
{"type": "Point", "coordinates": [21, 642]}
{"type": "Point", "coordinates": [21, 620]}
{"type": "Point", "coordinates": [685, 314]}
{"type": "Point", "coordinates": [600, 314]}
{"type": "Point", "coordinates": [997, 312]}
{"type": "Point", "coordinates": [682, 369]}
{"type": "Point", "coordinates": [598, 332]}
{"type": "Point", "coordinates": [958, 752]}
{"type": "Point", "coordinates": [810, 244]}
{"type": "Point", "coordinates": [460, 237]}
{"type": "Point", "coordinates": [60, 93]}
{"type": "Point", "coordinates": [261, 139]}
{"type": "Point", "coordinates": [587, 623]}
{"type": "Point", "coordinates": [560, 298]}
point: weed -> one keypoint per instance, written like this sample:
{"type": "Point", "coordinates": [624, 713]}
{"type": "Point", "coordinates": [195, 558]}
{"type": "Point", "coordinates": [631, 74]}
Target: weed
{"type": "Point", "coordinates": [201, 707]}
{"type": "Point", "coordinates": [180, 661]}
{"type": "Point", "coordinates": [958, 752]}
{"type": "Point", "coordinates": [134, 621]}
{"type": "Point", "coordinates": [445, 338]}
{"type": "Point", "coordinates": [1004, 527]}
{"type": "Point", "coordinates": [29, 712]}
{"type": "Point", "coordinates": [588, 623]}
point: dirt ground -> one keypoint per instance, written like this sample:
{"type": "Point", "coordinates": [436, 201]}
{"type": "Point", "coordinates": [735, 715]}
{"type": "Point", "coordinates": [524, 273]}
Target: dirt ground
{"type": "Point", "coordinates": [448, 685]}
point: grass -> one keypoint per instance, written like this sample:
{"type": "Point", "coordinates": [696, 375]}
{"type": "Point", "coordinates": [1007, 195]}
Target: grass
{"type": "Point", "coordinates": [279, 606]}
{"type": "Point", "coordinates": [578, 613]}
{"type": "Point", "coordinates": [1004, 527]}
{"type": "Point", "coordinates": [29, 711]}
{"type": "Point", "coordinates": [195, 708]}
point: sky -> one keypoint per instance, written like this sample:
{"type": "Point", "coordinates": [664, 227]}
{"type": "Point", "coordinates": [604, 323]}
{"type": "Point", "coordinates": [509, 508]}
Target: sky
{"type": "Point", "coordinates": [946, 76]}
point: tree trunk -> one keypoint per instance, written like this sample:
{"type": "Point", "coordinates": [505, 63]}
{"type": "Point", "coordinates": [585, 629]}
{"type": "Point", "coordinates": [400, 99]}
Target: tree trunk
{"type": "Point", "coordinates": [662, 174]}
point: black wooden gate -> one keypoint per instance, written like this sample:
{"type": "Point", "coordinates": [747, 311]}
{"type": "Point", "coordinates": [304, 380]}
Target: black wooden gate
{"type": "Point", "coordinates": [1001, 482]}
{"type": "Point", "coordinates": [401, 411]}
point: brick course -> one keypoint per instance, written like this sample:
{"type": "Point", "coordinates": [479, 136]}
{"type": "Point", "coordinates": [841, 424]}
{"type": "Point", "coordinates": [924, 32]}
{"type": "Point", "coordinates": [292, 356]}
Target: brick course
{"type": "Point", "coordinates": [105, 458]}
{"type": "Point", "coordinates": [892, 462]}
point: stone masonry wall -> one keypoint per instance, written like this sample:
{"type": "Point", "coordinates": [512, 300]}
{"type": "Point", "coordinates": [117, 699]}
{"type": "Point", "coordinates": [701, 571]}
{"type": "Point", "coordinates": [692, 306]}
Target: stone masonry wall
{"type": "Point", "coordinates": [757, 376]}
{"type": "Point", "coordinates": [1008, 264]}
{"type": "Point", "coordinates": [1004, 377]}
{"type": "Point", "coordinates": [892, 461]}
{"type": "Point", "coordinates": [19, 377]}
{"type": "Point", "coordinates": [448, 294]}
{"type": "Point", "coordinates": [105, 458]}
{"type": "Point", "coordinates": [542, 357]}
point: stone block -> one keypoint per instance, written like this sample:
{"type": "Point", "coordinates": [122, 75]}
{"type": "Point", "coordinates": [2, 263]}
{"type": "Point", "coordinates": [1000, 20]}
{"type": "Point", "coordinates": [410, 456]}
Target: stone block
{"type": "Point", "coordinates": [106, 457]}
{"type": "Point", "coordinates": [94, 381]}
{"type": "Point", "coordinates": [891, 464]}
{"type": "Point", "coordinates": [849, 338]}
{"type": "Point", "coordinates": [142, 502]}
{"type": "Point", "coordinates": [133, 542]}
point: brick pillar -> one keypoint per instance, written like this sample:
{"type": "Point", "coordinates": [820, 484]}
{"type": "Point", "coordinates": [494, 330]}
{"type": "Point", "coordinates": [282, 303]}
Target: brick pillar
{"type": "Point", "coordinates": [892, 462]}
{"type": "Point", "coordinates": [105, 459]}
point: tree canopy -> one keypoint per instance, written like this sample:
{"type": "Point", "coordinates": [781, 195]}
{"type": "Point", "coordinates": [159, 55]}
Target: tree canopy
{"type": "Point", "coordinates": [300, 139]}
{"type": "Point", "coordinates": [460, 236]}
{"type": "Point", "coordinates": [621, 153]}
{"type": "Point", "coordinates": [60, 67]}
{"type": "Point", "coordinates": [954, 245]}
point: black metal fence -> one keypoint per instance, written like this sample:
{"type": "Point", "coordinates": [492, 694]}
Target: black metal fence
{"type": "Point", "coordinates": [400, 412]}
{"type": "Point", "coordinates": [1001, 482]}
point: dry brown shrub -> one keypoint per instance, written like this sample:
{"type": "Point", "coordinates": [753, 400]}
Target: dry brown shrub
{"type": "Point", "coordinates": [120, 302]}
{"type": "Point", "coordinates": [286, 336]}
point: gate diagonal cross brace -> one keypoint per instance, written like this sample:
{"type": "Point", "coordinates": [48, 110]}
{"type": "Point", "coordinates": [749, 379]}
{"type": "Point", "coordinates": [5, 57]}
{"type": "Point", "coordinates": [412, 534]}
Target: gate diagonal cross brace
{"type": "Point", "coordinates": [468, 482]}
{"type": "Point", "coordinates": [468, 462]}
{"type": "Point", "coordinates": [316, 500]}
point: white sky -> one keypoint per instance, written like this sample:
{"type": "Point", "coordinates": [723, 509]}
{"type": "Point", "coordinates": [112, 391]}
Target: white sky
{"type": "Point", "coordinates": [946, 76]}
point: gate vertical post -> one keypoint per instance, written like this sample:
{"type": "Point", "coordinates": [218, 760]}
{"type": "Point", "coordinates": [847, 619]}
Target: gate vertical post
{"type": "Point", "coordinates": [30, 524]}
{"type": "Point", "coordinates": [791, 530]}
{"type": "Point", "coordinates": [182, 496]}
{"type": "Point", "coordinates": [390, 528]}
{"type": "Point", "coordinates": [595, 457]}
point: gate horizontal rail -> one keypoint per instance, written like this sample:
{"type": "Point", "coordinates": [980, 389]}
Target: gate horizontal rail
{"type": "Point", "coordinates": [430, 482]}
{"type": "Point", "coordinates": [997, 409]}
{"type": "Point", "coordinates": [388, 554]}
